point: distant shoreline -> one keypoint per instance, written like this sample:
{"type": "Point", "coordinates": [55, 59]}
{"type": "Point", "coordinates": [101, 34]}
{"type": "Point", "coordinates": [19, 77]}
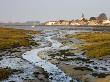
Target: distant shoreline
{"type": "Point", "coordinates": [78, 25]}
{"type": "Point", "coordinates": [63, 25]}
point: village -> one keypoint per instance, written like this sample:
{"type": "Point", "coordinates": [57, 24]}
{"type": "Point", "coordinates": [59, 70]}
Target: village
{"type": "Point", "coordinates": [101, 20]}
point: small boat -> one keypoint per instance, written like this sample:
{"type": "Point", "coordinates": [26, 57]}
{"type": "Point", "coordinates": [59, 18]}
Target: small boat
{"type": "Point", "coordinates": [33, 26]}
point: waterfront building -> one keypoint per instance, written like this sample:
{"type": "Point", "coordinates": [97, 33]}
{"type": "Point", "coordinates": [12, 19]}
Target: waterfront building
{"type": "Point", "coordinates": [93, 22]}
{"type": "Point", "coordinates": [106, 22]}
{"type": "Point", "coordinates": [50, 23]}
{"type": "Point", "coordinates": [75, 22]}
{"type": "Point", "coordinates": [63, 22]}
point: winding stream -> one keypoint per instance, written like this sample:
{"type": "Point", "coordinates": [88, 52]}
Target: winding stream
{"type": "Point", "coordinates": [55, 74]}
{"type": "Point", "coordinates": [50, 41]}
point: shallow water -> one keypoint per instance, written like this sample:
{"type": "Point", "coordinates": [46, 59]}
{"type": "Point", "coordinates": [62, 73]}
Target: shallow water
{"type": "Point", "coordinates": [55, 74]}
{"type": "Point", "coordinates": [47, 36]}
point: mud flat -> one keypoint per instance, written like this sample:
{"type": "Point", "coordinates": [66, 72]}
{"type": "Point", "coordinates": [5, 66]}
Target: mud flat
{"type": "Point", "coordinates": [21, 70]}
{"type": "Point", "coordinates": [55, 59]}
{"type": "Point", "coordinates": [55, 74]}
{"type": "Point", "coordinates": [13, 68]}
{"type": "Point", "coordinates": [75, 63]}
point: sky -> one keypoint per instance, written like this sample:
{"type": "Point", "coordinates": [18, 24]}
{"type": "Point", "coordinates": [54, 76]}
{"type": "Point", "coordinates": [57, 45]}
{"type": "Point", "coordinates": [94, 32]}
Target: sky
{"type": "Point", "coordinates": [44, 10]}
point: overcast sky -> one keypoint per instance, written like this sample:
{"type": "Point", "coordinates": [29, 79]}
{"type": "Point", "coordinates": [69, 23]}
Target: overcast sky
{"type": "Point", "coordinates": [42, 10]}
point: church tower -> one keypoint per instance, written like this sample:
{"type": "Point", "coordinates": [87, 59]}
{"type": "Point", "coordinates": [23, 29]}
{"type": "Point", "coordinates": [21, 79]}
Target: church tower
{"type": "Point", "coordinates": [82, 17]}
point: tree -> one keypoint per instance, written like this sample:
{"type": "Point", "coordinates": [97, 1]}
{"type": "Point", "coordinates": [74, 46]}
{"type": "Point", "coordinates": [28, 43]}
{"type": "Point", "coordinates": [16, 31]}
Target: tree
{"type": "Point", "coordinates": [102, 17]}
{"type": "Point", "coordinates": [92, 18]}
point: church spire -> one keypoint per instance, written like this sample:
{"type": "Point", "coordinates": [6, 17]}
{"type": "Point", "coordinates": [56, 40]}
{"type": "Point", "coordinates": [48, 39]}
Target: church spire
{"type": "Point", "coordinates": [82, 15]}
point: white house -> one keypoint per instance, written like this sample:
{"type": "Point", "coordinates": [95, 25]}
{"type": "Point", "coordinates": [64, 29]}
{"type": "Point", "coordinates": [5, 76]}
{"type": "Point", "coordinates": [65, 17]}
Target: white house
{"type": "Point", "coordinates": [50, 23]}
{"type": "Point", "coordinates": [106, 22]}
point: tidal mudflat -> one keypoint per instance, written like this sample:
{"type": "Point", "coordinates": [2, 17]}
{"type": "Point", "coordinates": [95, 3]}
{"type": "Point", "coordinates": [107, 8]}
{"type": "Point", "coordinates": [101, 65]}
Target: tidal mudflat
{"type": "Point", "coordinates": [57, 56]}
{"type": "Point", "coordinates": [73, 59]}
{"type": "Point", "coordinates": [13, 43]}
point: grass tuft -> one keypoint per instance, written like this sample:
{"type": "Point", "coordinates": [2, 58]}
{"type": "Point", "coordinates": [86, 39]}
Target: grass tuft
{"type": "Point", "coordinates": [5, 73]}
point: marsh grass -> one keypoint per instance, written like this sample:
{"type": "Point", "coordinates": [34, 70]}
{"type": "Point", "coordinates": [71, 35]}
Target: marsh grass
{"type": "Point", "coordinates": [97, 43]}
{"type": "Point", "coordinates": [63, 53]}
{"type": "Point", "coordinates": [10, 38]}
{"type": "Point", "coordinates": [83, 68]}
{"type": "Point", "coordinates": [5, 73]}
{"type": "Point", "coordinates": [100, 75]}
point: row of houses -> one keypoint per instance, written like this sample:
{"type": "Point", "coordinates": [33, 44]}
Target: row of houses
{"type": "Point", "coordinates": [82, 21]}
{"type": "Point", "coordinates": [78, 22]}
